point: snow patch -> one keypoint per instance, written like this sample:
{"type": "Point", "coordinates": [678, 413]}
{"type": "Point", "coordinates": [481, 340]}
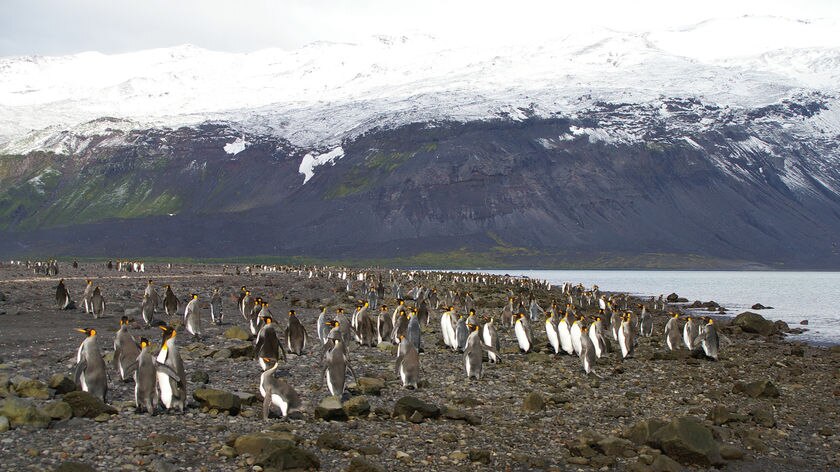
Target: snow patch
{"type": "Point", "coordinates": [310, 162]}
{"type": "Point", "coordinates": [37, 182]}
{"type": "Point", "coordinates": [237, 146]}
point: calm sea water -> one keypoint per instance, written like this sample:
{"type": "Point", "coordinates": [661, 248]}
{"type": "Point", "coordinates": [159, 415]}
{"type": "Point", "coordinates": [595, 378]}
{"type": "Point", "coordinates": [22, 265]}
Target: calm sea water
{"type": "Point", "coordinates": [795, 296]}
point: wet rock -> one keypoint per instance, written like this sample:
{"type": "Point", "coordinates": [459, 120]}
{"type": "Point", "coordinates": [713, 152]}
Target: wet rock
{"type": "Point", "coordinates": [217, 399]}
{"type": "Point", "coordinates": [533, 403]}
{"type": "Point", "coordinates": [367, 386]}
{"type": "Point", "coordinates": [62, 384]}
{"type": "Point", "coordinates": [246, 398]}
{"type": "Point", "coordinates": [360, 464]}
{"type": "Point", "coordinates": [58, 410]}
{"type": "Point", "coordinates": [23, 412]}
{"type": "Point", "coordinates": [70, 466]}
{"type": "Point", "coordinates": [330, 409]}
{"type": "Point", "coordinates": [200, 377]}
{"type": "Point", "coordinates": [759, 306]}
{"type": "Point", "coordinates": [759, 388]}
{"type": "Point", "coordinates": [357, 406]}
{"type": "Point", "coordinates": [781, 326]}
{"type": "Point", "coordinates": [641, 432]}
{"type": "Point", "coordinates": [408, 405]}
{"type": "Point", "coordinates": [235, 332]}
{"type": "Point", "coordinates": [688, 441]}
{"type": "Point", "coordinates": [369, 450]}
{"type": "Point", "coordinates": [618, 412]}
{"type": "Point", "coordinates": [804, 322]}
{"type": "Point", "coordinates": [256, 444]}
{"type": "Point", "coordinates": [85, 405]}
{"type": "Point", "coordinates": [331, 440]}
{"type": "Point", "coordinates": [754, 323]}
{"type": "Point", "coordinates": [30, 388]}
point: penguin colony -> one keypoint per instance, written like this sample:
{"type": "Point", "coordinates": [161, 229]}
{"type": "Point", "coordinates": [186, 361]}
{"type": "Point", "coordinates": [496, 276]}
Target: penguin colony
{"type": "Point", "coordinates": [580, 323]}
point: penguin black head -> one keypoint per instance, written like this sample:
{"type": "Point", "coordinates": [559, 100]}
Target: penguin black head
{"type": "Point", "coordinates": [291, 312]}
{"type": "Point", "coordinates": [168, 333]}
{"type": "Point", "coordinates": [383, 308]}
{"type": "Point", "coordinates": [88, 331]}
{"type": "Point", "coordinates": [89, 281]}
{"type": "Point", "coordinates": [472, 311]}
{"type": "Point", "coordinates": [267, 319]}
{"type": "Point", "coordinates": [194, 296]}
{"type": "Point", "coordinates": [151, 281]}
{"type": "Point", "coordinates": [124, 320]}
{"type": "Point", "coordinates": [340, 310]}
{"type": "Point", "coordinates": [245, 289]}
{"type": "Point", "coordinates": [144, 343]}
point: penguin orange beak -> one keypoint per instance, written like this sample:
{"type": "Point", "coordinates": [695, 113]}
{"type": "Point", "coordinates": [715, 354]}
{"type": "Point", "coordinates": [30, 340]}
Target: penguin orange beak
{"type": "Point", "coordinates": [81, 330]}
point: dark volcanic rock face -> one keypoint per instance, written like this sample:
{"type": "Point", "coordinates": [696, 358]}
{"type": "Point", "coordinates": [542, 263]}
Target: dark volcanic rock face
{"type": "Point", "coordinates": [534, 192]}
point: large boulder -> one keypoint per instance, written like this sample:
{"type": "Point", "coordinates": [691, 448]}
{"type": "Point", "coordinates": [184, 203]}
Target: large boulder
{"type": "Point", "coordinates": [58, 410]}
{"type": "Point", "coordinates": [258, 443]}
{"type": "Point", "coordinates": [30, 388]}
{"type": "Point", "coordinates": [85, 405]}
{"type": "Point", "coordinates": [357, 406]}
{"type": "Point", "coordinates": [241, 350]}
{"type": "Point", "coordinates": [62, 384]}
{"type": "Point", "coordinates": [751, 322]}
{"type": "Point", "coordinates": [277, 450]}
{"type": "Point", "coordinates": [408, 405]}
{"type": "Point", "coordinates": [533, 403]}
{"type": "Point", "coordinates": [235, 332]}
{"type": "Point", "coordinates": [23, 412]}
{"type": "Point", "coordinates": [687, 440]}
{"type": "Point", "coordinates": [217, 399]}
{"type": "Point", "coordinates": [367, 386]}
{"type": "Point", "coordinates": [330, 409]}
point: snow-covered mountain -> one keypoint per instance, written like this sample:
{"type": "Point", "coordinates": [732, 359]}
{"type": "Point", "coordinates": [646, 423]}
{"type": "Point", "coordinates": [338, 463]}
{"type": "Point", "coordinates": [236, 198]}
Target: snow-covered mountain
{"type": "Point", "coordinates": [324, 93]}
{"type": "Point", "coordinates": [691, 147]}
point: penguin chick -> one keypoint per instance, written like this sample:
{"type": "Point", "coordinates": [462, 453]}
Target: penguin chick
{"type": "Point", "coordinates": [407, 365]}
{"type": "Point", "coordinates": [296, 336]}
{"type": "Point", "coordinates": [276, 391]}
{"type": "Point", "coordinates": [125, 350]}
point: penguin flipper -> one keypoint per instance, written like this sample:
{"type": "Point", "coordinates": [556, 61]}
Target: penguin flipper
{"type": "Point", "coordinates": [115, 363]}
{"type": "Point", "coordinates": [77, 373]}
{"type": "Point", "coordinates": [397, 364]}
{"type": "Point", "coordinates": [350, 367]}
{"type": "Point", "coordinates": [130, 369]}
{"type": "Point", "coordinates": [168, 371]}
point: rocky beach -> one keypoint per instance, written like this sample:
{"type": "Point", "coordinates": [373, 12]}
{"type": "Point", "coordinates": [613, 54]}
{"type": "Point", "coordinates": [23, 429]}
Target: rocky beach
{"type": "Point", "coordinates": [768, 403]}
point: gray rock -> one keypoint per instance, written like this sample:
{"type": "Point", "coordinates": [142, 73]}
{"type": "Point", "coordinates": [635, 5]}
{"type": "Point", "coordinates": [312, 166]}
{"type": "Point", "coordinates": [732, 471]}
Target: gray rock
{"type": "Point", "coordinates": [480, 455]}
{"type": "Point", "coordinates": [533, 403]}
{"type": "Point", "coordinates": [407, 405]}
{"type": "Point", "coordinates": [367, 386]}
{"type": "Point", "coordinates": [751, 322]}
{"type": "Point", "coordinates": [217, 399]}
{"type": "Point", "coordinates": [688, 441]}
{"type": "Point", "coordinates": [256, 444]}
{"type": "Point", "coordinates": [330, 409]}
{"type": "Point", "coordinates": [200, 377]}
{"type": "Point", "coordinates": [246, 398]}
{"type": "Point", "coordinates": [23, 412]}
{"type": "Point", "coordinates": [451, 413]}
{"type": "Point", "coordinates": [641, 432]}
{"type": "Point", "coordinates": [357, 406]}
{"type": "Point", "coordinates": [360, 464]}
{"type": "Point", "coordinates": [222, 353]}
{"type": "Point", "coordinates": [30, 388]}
{"type": "Point", "coordinates": [331, 440]}
{"type": "Point", "coordinates": [663, 463]}
{"type": "Point", "coordinates": [288, 457]}
{"type": "Point", "coordinates": [58, 410]}
{"type": "Point", "coordinates": [242, 350]}
{"type": "Point", "coordinates": [613, 446]}
{"type": "Point", "coordinates": [731, 453]}
{"type": "Point", "coordinates": [719, 414]}
{"type": "Point", "coordinates": [762, 415]}
{"type": "Point", "coordinates": [62, 384]}
{"type": "Point", "coordinates": [85, 405]}
{"type": "Point", "coordinates": [70, 466]}
{"type": "Point", "coordinates": [759, 388]}
{"type": "Point", "coordinates": [235, 332]}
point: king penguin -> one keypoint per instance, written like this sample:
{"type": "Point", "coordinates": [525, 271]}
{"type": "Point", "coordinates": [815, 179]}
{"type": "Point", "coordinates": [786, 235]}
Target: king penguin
{"type": "Point", "coordinates": [462, 332]}
{"type": "Point", "coordinates": [216, 307]}
{"type": "Point", "coordinates": [86, 296]}
{"type": "Point", "coordinates": [276, 391]}
{"type": "Point", "coordinates": [626, 339]}
{"type": "Point", "coordinates": [170, 302]}
{"type": "Point", "coordinates": [173, 391]}
{"type": "Point", "coordinates": [491, 338]}
{"type": "Point", "coordinates": [523, 332]}
{"type": "Point", "coordinates": [145, 375]}
{"type": "Point", "coordinates": [90, 372]}
{"type": "Point", "coordinates": [336, 365]}
{"type": "Point", "coordinates": [689, 333]}
{"type": "Point", "coordinates": [412, 331]}
{"type": "Point", "coordinates": [474, 353]}
{"type": "Point", "coordinates": [150, 292]}
{"type": "Point", "coordinates": [97, 302]}
{"type": "Point", "coordinates": [125, 350]}
{"type": "Point", "coordinates": [710, 340]}
{"type": "Point", "coordinates": [587, 351]}
{"type": "Point", "coordinates": [192, 316]}
{"type": "Point", "coordinates": [407, 365]}
{"type": "Point", "coordinates": [296, 336]}
{"type": "Point", "coordinates": [447, 328]}
{"type": "Point", "coordinates": [672, 332]}
{"type": "Point", "coordinates": [565, 335]}
{"type": "Point", "coordinates": [321, 325]}
{"type": "Point", "coordinates": [62, 296]}
{"type": "Point", "coordinates": [267, 344]}
{"type": "Point", "coordinates": [383, 325]}
{"type": "Point", "coordinates": [551, 333]}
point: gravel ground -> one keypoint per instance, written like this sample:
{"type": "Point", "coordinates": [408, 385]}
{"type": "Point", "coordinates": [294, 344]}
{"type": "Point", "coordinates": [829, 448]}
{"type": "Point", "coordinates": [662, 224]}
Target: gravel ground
{"type": "Point", "coordinates": [38, 341]}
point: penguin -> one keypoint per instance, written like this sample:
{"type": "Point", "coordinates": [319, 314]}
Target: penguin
{"type": "Point", "coordinates": [276, 391]}
{"type": "Point", "coordinates": [97, 302]}
{"type": "Point", "coordinates": [267, 344]}
{"type": "Point", "coordinates": [462, 332]}
{"type": "Point", "coordinates": [626, 339]}
{"type": "Point", "coordinates": [366, 329]}
{"type": "Point", "coordinates": [170, 302]}
{"type": "Point", "coordinates": [473, 353]}
{"type": "Point", "coordinates": [574, 332]}
{"type": "Point", "coordinates": [472, 318]}
{"type": "Point", "coordinates": [383, 325]}
{"type": "Point", "coordinates": [336, 365]}
{"type": "Point", "coordinates": [423, 313]}
{"type": "Point", "coordinates": [508, 318]}
{"type": "Point", "coordinates": [396, 314]}
{"type": "Point", "coordinates": [295, 335]}
{"type": "Point", "coordinates": [321, 325]}
{"type": "Point", "coordinates": [447, 328]}
{"type": "Point", "coordinates": [551, 333]}
{"type": "Point", "coordinates": [709, 340]}
{"type": "Point", "coordinates": [646, 324]}
{"type": "Point", "coordinates": [243, 292]}
{"type": "Point", "coordinates": [407, 365]}
{"type": "Point", "coordinates": [491, 338]}
{"type": "Point", "coordinates": [150, 292]}
{"type": "Point", "coordinates": [90, 375]}
{"type": "Point", "coordinates": [192, 316]}
{"type": "Point", "coordinates": [62, 296]}
{"type": "Point", "coordinates": [145, 379]}
{"type": "Point", "coordinates": [412, 331]}
{"type": "Point", "coordinates": [615, 325]}
{"type": "Point", "coordinates": [400, 327]}
{"type": "Point", "coordinates": [523, 333]}
{"type": "Point", "coordinates": [125, 350]}
{"type": "Point", "coordinates": [86, 296]}
{"type": "Point", "coordinates": [596, 336]}
{"type": "Point", "coordinates": [587, 351]}
{"type": "Point", "coordinates": [147, 309]}
{"type": "Point", "coordinates": [564, 335]}
{"type": "Point", "coordinates": [688, 333]}
{"type": "Point", "coordinates": [173, 390]}
{"type": "Point", "coordinates": [535, 310]}
{"type": "Point", "coordinates": [216, 307]}
{"type": "Point", "coordinates": [672, 332]}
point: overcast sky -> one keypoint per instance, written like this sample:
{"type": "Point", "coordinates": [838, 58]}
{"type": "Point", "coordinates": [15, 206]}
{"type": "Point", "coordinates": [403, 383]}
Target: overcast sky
{"type": "Point", "coordinates": [55, 27]}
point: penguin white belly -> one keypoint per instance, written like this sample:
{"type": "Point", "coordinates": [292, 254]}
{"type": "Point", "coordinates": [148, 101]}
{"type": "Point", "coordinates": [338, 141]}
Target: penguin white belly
{"type": "Point", "coordinates": [593, 336]}
{"type": "Point", "coordinates": [687, 338]}
{"type": "Point", "coordinates": [622, 341]}
{"type": "Point", "coordinates": [330, 384]}
{"type": "Point", "coordinates": [403, 375]}
{"type": "Point", "coordinates": [467, 367]}
{"type": "Point", "coordinates": [278, 401]}
{"type": "Point", "coordinates": [165, 389]}
{"type": "Point", "coordinates": [552, 337]}
{"type": "Point", "coordinates": [521, 337]}
{"type": "Point", "coordinates": [263, 366]}
{"type": "Point", "coordinates": [262, 390]}
{"type": "Point", "coordinates": [575, 334]}
{"type": "Point", "coordinates": [587, 367]}
{"type": "Point", "coordinates": [565, 338]}
{"type": "Point", "coordinates": [83, 382]}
